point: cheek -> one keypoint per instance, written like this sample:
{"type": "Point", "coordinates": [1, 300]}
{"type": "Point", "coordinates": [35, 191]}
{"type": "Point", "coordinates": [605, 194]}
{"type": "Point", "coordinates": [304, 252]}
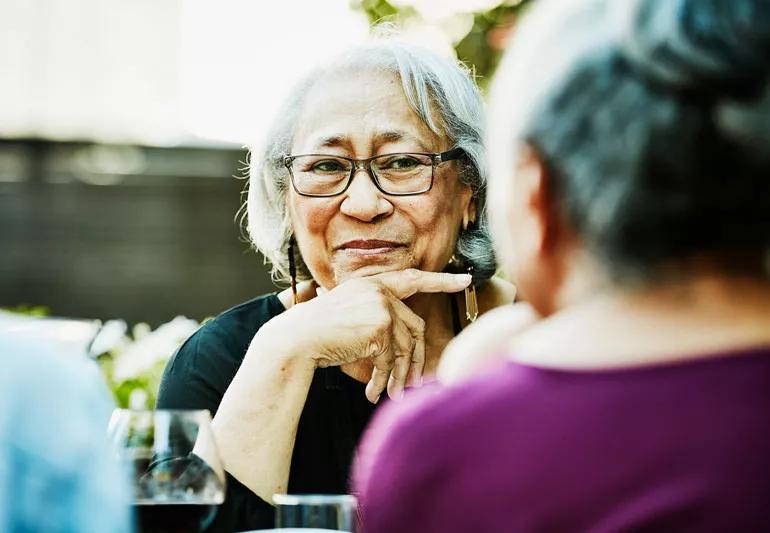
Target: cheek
{"type": "Point", "coordinates": [436, 225]}
{"type": "Point", "coordinates": [310, 220]}
{"type": "Point", "coordinates": [310, 216]}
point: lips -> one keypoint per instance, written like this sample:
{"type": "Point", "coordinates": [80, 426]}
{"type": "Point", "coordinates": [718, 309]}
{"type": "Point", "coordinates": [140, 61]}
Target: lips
{"type": "Point", "coordinates": [369, 244]}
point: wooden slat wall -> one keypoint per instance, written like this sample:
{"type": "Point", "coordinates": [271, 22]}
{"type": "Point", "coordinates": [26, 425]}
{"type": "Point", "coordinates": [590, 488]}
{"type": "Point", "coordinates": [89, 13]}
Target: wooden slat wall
{"type": "Point", "coordinates": [150, 246]}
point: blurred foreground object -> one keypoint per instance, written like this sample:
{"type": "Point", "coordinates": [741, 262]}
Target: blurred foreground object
{"type": "Point", "coordinates": [57, 470]}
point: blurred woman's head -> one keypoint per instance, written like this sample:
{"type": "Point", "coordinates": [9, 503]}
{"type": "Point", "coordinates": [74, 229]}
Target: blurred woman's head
{"type": "Point", "coordinates": [632, 138]}
{"type": "Point", "coordinates": [380, 99]}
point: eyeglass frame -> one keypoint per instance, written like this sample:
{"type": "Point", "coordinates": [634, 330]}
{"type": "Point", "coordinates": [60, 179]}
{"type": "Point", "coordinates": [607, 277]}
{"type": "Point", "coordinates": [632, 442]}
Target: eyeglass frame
{"type": "Point", "coordinates": [452, 154]}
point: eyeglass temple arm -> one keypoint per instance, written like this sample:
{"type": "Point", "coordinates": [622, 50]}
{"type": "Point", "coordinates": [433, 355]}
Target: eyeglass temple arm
{"type": "Point", "coordinates": [451, 155]}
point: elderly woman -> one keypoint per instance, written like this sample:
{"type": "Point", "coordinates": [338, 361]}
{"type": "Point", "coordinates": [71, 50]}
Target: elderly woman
{"type": "Point", "coordinates": [630, 201]}
{"type": "Point", "coordinates": [370, 189]}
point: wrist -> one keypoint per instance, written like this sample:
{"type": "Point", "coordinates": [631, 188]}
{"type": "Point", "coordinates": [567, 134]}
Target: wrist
{"type": "Point", "coordinates": [279, 341]}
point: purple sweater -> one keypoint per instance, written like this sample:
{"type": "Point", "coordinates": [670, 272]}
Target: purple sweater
{"type": "Point", "coordinates": [675, 447]}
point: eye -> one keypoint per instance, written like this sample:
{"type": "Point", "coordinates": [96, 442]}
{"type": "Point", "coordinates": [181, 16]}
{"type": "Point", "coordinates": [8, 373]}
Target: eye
{"type": "Point", "coordinates": [400, 162]}
{"type": "Point", "coordinates": [326, 166]}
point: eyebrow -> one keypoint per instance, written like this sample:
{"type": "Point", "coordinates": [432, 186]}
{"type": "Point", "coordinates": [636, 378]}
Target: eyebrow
{"type": "Point", "coordinates": [332, 141]}
{"type": "Point", "coordinates": [397, 136]}
{"type": "Point", "coordinates": [391, 136]}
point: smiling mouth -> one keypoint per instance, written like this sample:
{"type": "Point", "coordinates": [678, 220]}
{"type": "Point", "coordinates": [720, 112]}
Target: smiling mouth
{"type": "Point", "coordinates": [369, 246]}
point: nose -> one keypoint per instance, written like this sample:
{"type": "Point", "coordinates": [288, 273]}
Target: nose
{"type": "Point", "coordinates": [363, 200]}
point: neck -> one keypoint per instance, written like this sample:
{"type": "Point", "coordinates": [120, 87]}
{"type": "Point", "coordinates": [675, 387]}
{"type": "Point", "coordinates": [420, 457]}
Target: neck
{"type": "Point", "coordinates": [708, 313]}
{"type": "Point", "coordinates": [435, 310]}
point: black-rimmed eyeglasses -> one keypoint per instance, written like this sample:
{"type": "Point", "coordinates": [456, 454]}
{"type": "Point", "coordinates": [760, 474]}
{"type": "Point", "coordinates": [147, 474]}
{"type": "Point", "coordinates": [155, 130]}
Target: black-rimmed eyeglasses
{"type": "Point", "coordinates": [401, 174]}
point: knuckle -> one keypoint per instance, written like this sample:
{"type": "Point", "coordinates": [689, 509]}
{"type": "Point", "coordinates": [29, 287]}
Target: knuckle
{"type": "Point", "coordinates": [411, 275]}
{"type": "Point", "coordinates": [403, 354]}
{"type": "Point", "coordinates": [374, 348]}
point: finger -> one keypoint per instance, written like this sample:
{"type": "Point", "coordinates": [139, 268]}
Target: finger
{"type": "Point", "coordinates": [403, 345]}
{"type": "Point", "coordinates": [416, 331]}
{"type": "Point", "coordinates": [404, 283]}
{"type": "Point", "coordinates": [380, 374]}
{"type": "Point", "coordinates": [418, 364]}
{"type": "Point", "coordinates": [397, 380]}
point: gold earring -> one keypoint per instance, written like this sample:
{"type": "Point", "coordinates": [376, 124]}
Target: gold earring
{"type": "Point", "coordinates": [293, 272]}
{"type": "Point", "coordinates": [471, 303]}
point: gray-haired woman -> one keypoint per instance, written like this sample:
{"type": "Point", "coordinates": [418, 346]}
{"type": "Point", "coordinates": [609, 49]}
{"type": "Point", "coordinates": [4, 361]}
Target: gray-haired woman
{"type": "Point", "coordinates": [370, 188]}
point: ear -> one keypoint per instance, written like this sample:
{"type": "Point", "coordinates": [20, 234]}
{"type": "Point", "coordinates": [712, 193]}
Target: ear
{"type": "Point", "coordinates": [469, 213]}
{"type": "Point", "coordinates": [534, 186]}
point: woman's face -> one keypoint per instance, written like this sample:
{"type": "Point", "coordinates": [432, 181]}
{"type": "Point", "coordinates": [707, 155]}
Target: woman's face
{"type": "Point", "coordinates": [364, 231]}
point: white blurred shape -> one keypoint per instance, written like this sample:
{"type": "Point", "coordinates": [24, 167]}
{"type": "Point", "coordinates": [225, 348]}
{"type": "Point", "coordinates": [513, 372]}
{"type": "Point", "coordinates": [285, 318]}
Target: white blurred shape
{"type": "Point", "coordinates": [457, 26]}
{"type": "Point", "coordinates": [430, 36]}
{"type": "Point", "coordinates": [159, 72]}
{"type": "Point", "coordinates": [151, 347]}
{"type": "Point", "coordinates": [111, 336]}
{"type": "Point", "coordinates": [434, 10]}
{"type": "Point", "coordinates": [90, 69]}
{"type": "Point", "coordinates": [241, 57]}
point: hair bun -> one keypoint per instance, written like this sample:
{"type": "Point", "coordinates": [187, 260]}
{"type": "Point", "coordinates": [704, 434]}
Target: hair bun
{"type": "Point", "coordinates": [712, 49]}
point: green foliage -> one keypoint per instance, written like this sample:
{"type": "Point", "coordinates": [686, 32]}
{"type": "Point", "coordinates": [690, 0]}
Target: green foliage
{"type": "Point", "coordinates": [379, 10]}
{"type": "Point", "coordinates": [28, 310]}
{"type": "Point", "coordinates": [134, 362]}
{"type": "Point", "coordinates": [480, 48]}
{"type": "Point", "coordinates": [483, 46]}
{"type": "Point", "coordinates": [148, 382]}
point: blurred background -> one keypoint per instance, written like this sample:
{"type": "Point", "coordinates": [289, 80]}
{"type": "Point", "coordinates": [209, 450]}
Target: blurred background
{"type": "Point", "coordinates": [123, 128]}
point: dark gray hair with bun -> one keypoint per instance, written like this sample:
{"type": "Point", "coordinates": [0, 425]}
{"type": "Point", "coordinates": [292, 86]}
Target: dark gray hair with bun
{"type": "Point", "coordinates": [653, 119]}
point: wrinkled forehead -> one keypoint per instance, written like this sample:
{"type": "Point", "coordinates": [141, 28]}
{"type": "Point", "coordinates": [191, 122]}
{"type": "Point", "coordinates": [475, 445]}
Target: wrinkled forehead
{"type": "Point", "coordinates": [364, 106]}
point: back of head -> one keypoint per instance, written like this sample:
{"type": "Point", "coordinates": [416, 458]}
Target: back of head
{"type": "Point", "coordinates": [653, 120]}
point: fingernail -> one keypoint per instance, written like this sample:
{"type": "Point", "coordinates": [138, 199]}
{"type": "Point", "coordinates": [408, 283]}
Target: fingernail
{"type": "Point", "coordinates": [377, 399]}
{"type": "Point", "coordinates": [401, 394]}
{"type": "Point", "coordinates": [465, 278]}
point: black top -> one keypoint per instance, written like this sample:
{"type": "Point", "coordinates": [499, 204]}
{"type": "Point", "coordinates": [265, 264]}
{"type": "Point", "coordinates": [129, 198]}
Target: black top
{"type": "Point", "coordinates": [332, 420]}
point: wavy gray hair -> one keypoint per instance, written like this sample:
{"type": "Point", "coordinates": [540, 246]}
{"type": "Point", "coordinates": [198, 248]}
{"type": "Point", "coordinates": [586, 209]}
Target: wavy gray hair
{"type": "Point", "coordinates": [444, 96]}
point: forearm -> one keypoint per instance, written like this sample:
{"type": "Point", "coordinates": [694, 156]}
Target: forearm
{"type": "Point", "coordinates": [256, 424]}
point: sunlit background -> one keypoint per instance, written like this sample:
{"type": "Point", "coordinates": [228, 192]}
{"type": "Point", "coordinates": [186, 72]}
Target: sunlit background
{"type": "Point", "coordinates": [122, 134]}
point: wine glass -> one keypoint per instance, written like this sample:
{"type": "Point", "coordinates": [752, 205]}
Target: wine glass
{"type": "Point", "coordinates": [177, 475]}
{"type": "Point", "coordinates": [323, 511]}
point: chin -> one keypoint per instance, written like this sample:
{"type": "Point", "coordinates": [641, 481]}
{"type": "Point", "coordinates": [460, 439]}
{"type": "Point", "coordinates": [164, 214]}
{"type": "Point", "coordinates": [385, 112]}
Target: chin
{"type": "Point", "coordinates": [368, 270]}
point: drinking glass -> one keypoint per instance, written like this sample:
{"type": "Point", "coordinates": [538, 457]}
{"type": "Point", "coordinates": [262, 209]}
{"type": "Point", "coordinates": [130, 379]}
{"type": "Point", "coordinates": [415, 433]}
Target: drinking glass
{"type": "Point", "coordinates": [178, 478]}
{"type": "Point", "coordinates": [323, 511]}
